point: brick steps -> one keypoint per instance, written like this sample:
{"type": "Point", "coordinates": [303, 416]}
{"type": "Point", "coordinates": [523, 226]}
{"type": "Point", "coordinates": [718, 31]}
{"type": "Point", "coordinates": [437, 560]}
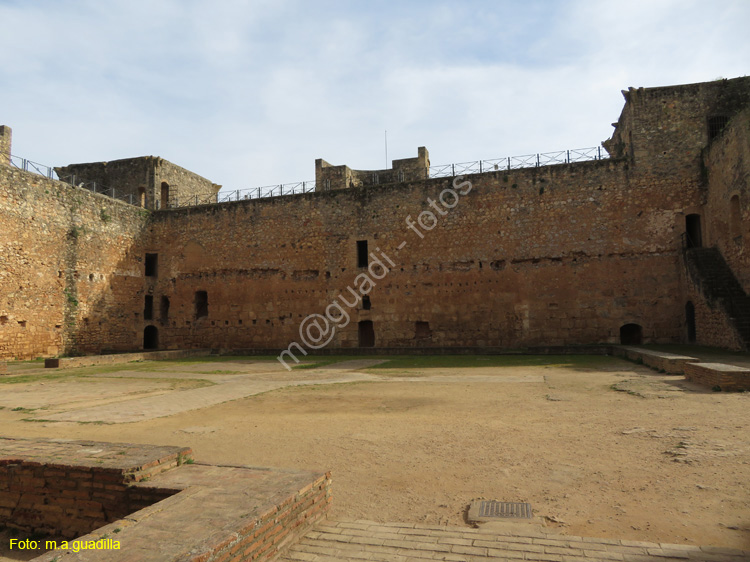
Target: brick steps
{"type": "Point", "coordinates": [335, 541]}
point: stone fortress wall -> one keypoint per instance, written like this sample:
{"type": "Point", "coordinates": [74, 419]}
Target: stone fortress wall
{"type": "Point", "coordinates": [556, 255]}
{"type": "Point", "coordinates": [153, 182]}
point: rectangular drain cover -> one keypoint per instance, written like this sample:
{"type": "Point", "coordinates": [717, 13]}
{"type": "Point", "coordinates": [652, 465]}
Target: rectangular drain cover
{"type": "Point", "coordinates": [491, 509]}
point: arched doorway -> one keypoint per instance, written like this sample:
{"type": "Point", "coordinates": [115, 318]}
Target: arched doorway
{"type": "Point", "coordinates": [151, 338]}
{"type": "Point", "coordinates": [690, 321]}
{"type": "Point", "coordinates": [631, 334]}
{"type": "Point", "coordinates": [694, 239]}
{"type": "Point", "coordinates": [366, 334]}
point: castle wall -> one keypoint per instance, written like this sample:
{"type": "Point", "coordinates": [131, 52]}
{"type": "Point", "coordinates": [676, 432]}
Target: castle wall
{"type": "Point", "coordinates": [664, 130]}
{"type": "Point", "coordinates": [142, 179]}
{"type": "Point", "coordinates": [185, 187]}
{"type": "Point", "coordinates": [555, 255]}
{"type": "Point", "coordinates": [67, 274]}
{"type": "Point", "coordinates": [5, 144]}
{"type": "Point", "coordinates": [727, 208]}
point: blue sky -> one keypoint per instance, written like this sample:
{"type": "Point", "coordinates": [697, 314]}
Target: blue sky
{"type": "Point", "coordinates": [249, 93]}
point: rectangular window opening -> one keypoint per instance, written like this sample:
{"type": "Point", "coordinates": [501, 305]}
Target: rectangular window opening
{"type": "Point", "coordinates": [201, 304]}
{"type": "Point", "coordinates": [151, 264]}
{"type": "Point", "coordinates": [362, 258]}
{"type": "Point", "coordinates": [164, 309]}
{"type": "Point", "coordinates": [716, 124]}
{"type": "Point", "coordinates": [148, 308]}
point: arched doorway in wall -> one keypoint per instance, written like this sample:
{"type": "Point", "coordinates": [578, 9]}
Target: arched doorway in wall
{"type": "Point", "coordinates": [631, 334]}
{"type": "Point", "coordinates": [164, 195]}
{"type": "Point", "coordinates": [151, 338]}
{"type": "Point", "coordinates": [693, 236]}
{"type": "Point", "coordinates": [366, 334]}
{"type": "Point", "coordinates": [690, 321]}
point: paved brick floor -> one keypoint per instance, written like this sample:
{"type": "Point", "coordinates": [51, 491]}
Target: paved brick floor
{"type": "Point", "coordinates": [338, 540]}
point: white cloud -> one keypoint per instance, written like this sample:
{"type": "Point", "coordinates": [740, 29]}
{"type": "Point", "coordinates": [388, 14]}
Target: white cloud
{"type": "Point", "coordinates": [250, 92]}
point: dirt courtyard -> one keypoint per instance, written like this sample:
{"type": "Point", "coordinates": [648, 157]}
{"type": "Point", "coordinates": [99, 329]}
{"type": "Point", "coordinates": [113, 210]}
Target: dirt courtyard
{"type": "Point", "coordinates": [599, 446]}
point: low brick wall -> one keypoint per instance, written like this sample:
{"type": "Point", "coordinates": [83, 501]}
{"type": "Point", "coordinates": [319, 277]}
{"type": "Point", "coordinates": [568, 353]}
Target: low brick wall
{"type": "Point", "coordinates": [718, 376]}
{"type": "Point", "coordinates": [126, 498]}
{"type": "Point", "coordinates": [40, 493]}
{"type": "Point", "coordinates": [116, 358]}
{"type": "Point", "coordinates": [273, 531]}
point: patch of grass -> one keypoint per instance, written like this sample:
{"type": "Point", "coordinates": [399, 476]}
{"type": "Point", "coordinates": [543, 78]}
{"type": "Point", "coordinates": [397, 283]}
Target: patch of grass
{"type": "Point", "coordinates": [218, 372]}
{"type": "Point", "coordinates": [22, 409]}
{"type": "Point", "coordinates": [510, 360]}
{"type": "Point", "coordinates": [220, 358]}
{"type": "Point", "coordinates": [318, 362]}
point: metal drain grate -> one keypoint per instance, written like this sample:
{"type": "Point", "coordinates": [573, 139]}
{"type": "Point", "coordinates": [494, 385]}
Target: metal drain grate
{"type": "Point", "coordinates": [492, 509]}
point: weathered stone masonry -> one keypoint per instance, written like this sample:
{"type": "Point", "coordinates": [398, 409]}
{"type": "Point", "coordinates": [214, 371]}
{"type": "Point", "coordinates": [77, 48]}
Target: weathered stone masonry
{"type": "Point", "coordinates": [579, 253]}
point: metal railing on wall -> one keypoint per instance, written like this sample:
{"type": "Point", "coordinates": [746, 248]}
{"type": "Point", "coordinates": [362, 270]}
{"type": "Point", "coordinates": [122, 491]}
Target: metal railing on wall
{"type": "Point", "coordinates": [251, 193]}
{"type": "Point", "coordinates": [439, 171]}
{"type": "Point", "coordinates": [518, 162]}
{"type": "Point", "coordinates": [49, 172]}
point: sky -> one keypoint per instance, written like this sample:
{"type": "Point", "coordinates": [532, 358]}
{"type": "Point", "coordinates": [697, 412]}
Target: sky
{"type": "Point", "coordinates": [249, 93]}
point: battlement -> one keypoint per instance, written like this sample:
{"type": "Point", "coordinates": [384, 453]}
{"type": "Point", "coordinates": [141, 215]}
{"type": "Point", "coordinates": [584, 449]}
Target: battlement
{"type": "Point", "coordinates": [328, 176]}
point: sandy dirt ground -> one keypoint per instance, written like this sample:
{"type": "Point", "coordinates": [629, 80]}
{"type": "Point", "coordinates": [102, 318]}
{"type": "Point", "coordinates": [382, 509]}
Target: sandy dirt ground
{"type": "Point", "coordinates": [599, 446]}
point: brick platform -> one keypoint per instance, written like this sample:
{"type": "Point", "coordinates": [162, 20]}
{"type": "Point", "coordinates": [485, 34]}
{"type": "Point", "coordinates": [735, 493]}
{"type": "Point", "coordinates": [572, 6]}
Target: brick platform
{"type": "Point", "coordinates": [339, 541]}
{"type": "Point", "coordinates": [718, 376]}
{"type": "Point", "coordinates": [183, 510]}
{"type": "Point", "coordinates": [660, 360]}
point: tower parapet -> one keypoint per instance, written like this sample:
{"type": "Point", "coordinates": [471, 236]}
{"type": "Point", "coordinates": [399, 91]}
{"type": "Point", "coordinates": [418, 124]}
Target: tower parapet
{"type": "Point", "coordinates": [5, 144]}
{"type": "Point", "coordinates": [328, 176]}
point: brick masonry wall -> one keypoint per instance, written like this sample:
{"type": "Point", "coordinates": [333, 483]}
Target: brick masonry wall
{"type": "Point", "coordinates": [131, 176]}
{"type": "Point", "coordinates": [728, 166]}
{"type": "Point", "coordinates": [554, 255]}
{"type": "Point", "coordinates": [712, 325]}
{"type": "Point", "coordinates": [718, 377]}
{"type": "Point", "coordinates": [185, 187]}
{"type": "Point", "coordinates": [271, 533]}
{"type": "Point", "coordinates": [67, 501]}
{"type": "Point", "coordinates": [69, 275]}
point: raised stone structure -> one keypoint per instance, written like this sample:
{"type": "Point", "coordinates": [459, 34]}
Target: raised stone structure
{"type": "Point", "coordinates": [153, 182]}
{"type": "Point", "coordinates": [645, 246]}
{"type": "Point", "coordinates": [100, 497]}
{"type": "Point", "coordinates": [328, 176]}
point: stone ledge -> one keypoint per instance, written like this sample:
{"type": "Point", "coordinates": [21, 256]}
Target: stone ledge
{"type": "Point", "coordinates": [115, 358]}
{"type": "Point", "coordinates": [719, 376]}
{"type": "Point", "coordinates": [660, 360]}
